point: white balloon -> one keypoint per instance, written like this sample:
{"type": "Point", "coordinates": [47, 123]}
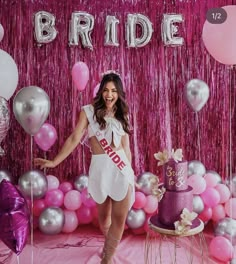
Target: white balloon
{"type": "Point", "coordinates": [1, 32]}
{"type": "Point", "coordinates": [81, 25]}
{"type": "Point", "coordinates": [169, 30]}
{"type": "Point", "coordinates": [44, 27]}
{"type": "Point", "coordinates": [8, 75]}
{"type": "Point", "coordinates": [132, 21]}
{"type": "Point", "coordinates": [111, 31]}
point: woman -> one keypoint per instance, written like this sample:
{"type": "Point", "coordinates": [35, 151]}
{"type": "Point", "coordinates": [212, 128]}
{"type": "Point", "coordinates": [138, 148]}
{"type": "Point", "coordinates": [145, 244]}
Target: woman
{"type": "Point", "coordinates": [111, 178]}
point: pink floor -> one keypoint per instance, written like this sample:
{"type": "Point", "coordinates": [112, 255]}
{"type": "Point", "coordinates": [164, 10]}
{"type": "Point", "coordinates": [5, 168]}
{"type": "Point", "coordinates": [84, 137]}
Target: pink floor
{"type": "Point", "coordinates": [85, 245]}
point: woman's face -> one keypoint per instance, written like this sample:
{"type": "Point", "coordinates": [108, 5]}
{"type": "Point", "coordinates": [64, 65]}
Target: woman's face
{"type": "Point", "coordinates": [110, 95]}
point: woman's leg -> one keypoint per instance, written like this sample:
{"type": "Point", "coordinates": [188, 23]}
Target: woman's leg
{"type": "Point", "coordinates": [104, 215]}
{"type": "Point", "coordinates": [119, 213]}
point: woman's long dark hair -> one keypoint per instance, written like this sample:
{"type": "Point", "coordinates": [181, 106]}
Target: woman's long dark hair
{"type": "Point", "coordinates": [121, 111]}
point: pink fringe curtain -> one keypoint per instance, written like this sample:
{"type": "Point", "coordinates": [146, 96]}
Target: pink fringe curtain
{"type": "Point", "coordinates": [154, 78]}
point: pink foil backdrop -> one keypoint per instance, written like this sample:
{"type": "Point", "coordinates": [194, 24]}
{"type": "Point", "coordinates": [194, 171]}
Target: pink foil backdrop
{"type": "Point", "coordinates": [154, 78]}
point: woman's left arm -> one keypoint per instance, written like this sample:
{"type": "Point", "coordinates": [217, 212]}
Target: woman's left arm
{"type": "Point", "coordinates": [126, 146]}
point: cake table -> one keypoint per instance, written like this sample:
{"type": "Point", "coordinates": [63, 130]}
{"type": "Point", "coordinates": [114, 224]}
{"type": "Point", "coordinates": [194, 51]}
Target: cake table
{"type": "Point", "coordinates": [163, 245]}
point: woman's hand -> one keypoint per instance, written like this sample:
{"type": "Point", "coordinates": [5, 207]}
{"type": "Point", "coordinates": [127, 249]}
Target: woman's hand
{"type": "Point", "coordinates": [44, 163]}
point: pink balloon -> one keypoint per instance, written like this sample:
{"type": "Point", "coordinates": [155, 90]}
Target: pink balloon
{"type": "Point", "coordinates": [84, 215]}
{"type": "Point", "coordinates": [54, 197]}
{"type": "Point", "coordinates": [95, 90]}
{"type": "Point", "coordinates": [206, 214]}
{"type": "Point", "coordinates": [46, 136]}
{"type": "Point", "coordinates": [38, 206]}
{"type": "Point", "coordinates": [53, 182]}
{"type": "Point", "coordinates": [211, 180]}
{"type": "Point", "coordinates": [219, 39]}
{"type": "Point", "coordinates": [71, 221]}
{"type": "Point", "coordinates": [218, 212]}
{"type": "Point", "coordinates": [14, 217]}
{"type": "Point", "coordinates": [197, 182]}
{"type": "Point", "coordinates": [72, 200]}
{"type": "Point", "coordinates": [230, 208]}
{"type": "Point", "coordinates": [221, 248]}
{"type": "Point", "coordinates": [87, 200]}
{"type": "Point", "coordinates": [80, 75]}
{"type": "Point", "coordinates": [140, 200]}
{"type": "Point", "coordinates": [210, 197]}
{"type": "Point", "coordinates": [224, 192]}
{"type": "Point", "coordinates": [151, 204]}
{"type": "Point", "coordinates": [66, 187]}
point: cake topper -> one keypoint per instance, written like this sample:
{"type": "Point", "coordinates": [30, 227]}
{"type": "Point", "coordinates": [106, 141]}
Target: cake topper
{"type": "Point", "coordinates": [164, 156]}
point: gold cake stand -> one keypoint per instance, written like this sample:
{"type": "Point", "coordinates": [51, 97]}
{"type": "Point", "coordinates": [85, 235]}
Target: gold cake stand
{"type": "Point", "coordinates": [162, 245]}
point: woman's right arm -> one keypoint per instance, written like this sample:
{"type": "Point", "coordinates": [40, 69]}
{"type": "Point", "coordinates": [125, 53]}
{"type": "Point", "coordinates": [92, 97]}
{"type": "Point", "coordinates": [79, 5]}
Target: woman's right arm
{"type": "Point", "coordinates": [70, 144]}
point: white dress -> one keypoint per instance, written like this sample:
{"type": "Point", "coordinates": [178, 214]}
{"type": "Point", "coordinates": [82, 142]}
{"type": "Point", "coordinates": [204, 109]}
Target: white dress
{"type": "Point", "coordinates": [105, 179]}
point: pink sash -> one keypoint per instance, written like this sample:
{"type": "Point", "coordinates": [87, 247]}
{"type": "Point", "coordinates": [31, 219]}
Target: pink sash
{"type": "Point", "coordinates": [112, 154]}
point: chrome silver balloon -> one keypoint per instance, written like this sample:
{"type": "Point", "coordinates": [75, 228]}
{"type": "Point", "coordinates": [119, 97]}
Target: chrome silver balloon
{"type": "Point", "coordinates": [51, 220]}
{"type": "Point", "coordinates": [227, 228]}
{"type": "Point", "coordinates": [196, 167]}
{"type": "Point", "coordinates": [145, 182]}
{"type": "Point", "coordinates": [198, 204]}
{"type": "Point", "coordinates": [136, 218]}
{"type": "Point", "coordinates": [31, 107]}
{"type": "Point", "coordinates": [197, 94]}
{"type": "Point", "coordinates": [35, 180]}
{"type": "Point", "coordinates": [81, 182]}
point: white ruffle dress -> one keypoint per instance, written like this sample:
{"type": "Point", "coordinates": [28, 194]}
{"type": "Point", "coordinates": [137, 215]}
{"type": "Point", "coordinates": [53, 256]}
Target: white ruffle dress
{"type": "Point", "coordinates": [105, 179]}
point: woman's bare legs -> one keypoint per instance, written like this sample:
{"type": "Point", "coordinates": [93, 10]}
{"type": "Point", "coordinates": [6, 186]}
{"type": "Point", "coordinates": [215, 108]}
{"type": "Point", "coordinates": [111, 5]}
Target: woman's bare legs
{"type": "Point", "coordinates": [119, 211]}
{"type": "Point", "coordinates": [104, 215]}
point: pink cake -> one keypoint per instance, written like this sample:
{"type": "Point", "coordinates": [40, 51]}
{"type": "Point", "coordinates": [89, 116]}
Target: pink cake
{"type": "Point", "coordinates": [178, 194]}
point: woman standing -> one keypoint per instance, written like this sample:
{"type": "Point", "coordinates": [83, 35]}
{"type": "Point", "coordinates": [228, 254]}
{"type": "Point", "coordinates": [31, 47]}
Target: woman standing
{"type": "Point", "coordinates": [111, 178]}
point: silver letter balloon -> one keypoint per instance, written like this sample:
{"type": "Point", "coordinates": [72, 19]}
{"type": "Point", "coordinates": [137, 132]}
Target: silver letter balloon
{"type": "Point", "coordinates": [31, 107]}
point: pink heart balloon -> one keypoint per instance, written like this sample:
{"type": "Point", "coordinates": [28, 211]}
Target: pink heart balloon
{"type": "Point", "coordinates": [80, 75]}
{"type": "Point", "coordinates": [14, 217]}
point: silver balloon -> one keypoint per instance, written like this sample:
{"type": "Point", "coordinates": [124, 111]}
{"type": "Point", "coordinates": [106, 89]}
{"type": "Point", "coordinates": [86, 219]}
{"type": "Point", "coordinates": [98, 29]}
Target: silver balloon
{"type": "Point", "coordinates": [31, 107]}
{"type": "Point", "coordinates": [81, 182]}
{"type": "Point", "coordinates": [44, 27]}
{"type": "Point", "coordinates": [196, 167]}
{"type": "Point", "coordinates": [5, 175]}
{"type": "Point", "coordinates": [136, 218]}
{"type": "Point", "coordinates": [81, 25]}
{"type": "Point", "coordinates": [198, 204]}
{"type": "Point", "coordinates": [169, 30]}
{"type": "Point", "coordinates": [4, 121]}
{"type": "Point", "coordinates": [233, 261]}
{"type": "Point", "coordinates": [145, 182]}
{"type": "Point", "coordinates": [51, 221]}
{"type": "Point", "coordinates": [227, 228]}
{"type": "Point", "coordinates": [197, 94]}
{"type": "Point", "coordinates": [132, 21]}
{"type": "Point", "coordinates": [111, 31]}
{"type": "Point", "coordinates": [35, 180]}
{"type": "Point", "coordinates": [217, 176]}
